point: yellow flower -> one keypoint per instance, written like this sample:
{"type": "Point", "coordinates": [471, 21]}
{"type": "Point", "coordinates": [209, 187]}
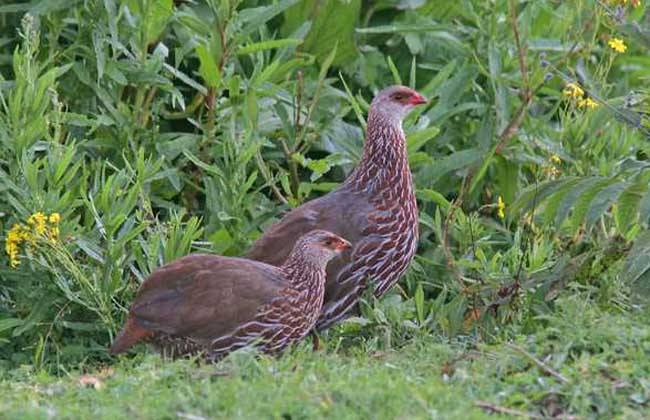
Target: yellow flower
{"type": "Point", "coordinates": [37, 221]}
{"type": "Point", "coordinates": [587, 103]}
{"type": "Point", "coordinates": [38, 225]}
{"type": "Point", "coordinates": [617, 45]}
{"type": "Point", "coordinates": [501, 208]}
{"type": "Point", "coordinates": [572, 90]}
{"type": "Point", "coordinates": [17, 234]}
{"type": "Point", "coordinates": [55, 218]}
{"type": "Point", "coordinates": [555, 159]}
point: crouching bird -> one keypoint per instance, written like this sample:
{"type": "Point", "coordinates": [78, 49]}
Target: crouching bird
{"type": "Point", "coordinates": [374, 208]}
{"type": "Point", "coordinates": [213, 305]}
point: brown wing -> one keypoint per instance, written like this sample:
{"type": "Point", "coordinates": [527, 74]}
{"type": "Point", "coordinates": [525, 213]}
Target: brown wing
{"type": "Point", "coordinates": [205, 296]}
{"type": "Point", "coordinates": [342, 212]}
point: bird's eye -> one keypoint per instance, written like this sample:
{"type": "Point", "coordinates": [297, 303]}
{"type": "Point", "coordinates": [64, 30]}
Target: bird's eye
{"type": "Point", "coordinates": [399, 96]}
{"type": "Point", "coordinates": [328, 242]}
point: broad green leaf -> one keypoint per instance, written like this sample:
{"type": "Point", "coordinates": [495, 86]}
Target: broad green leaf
{"type": "Point", "coordinates": [153, 14]}
{"type": "Point", "coordinates": [603, 201]}
{"type": "Point", "coordinates": [433, 196]}
{"type": "Point", "coordinates": [507, 178]}
{"type": "Point", "coordinates": [628, 202]}
{"type": "Point", "coordinates": [252, 19]}
{"type": "Point", "coordinates": [553, 201]}
{"type": "Point", "coordinates": [535, 194]}
{"type": "Point", "coordinates": [638, 260]}
{"type": "Point", "coordinates": [569, 200]}
{"type": "Point", "coordinates": [333, 23]}
{"type": "Point", "coordinates": [419, 138]}
{"type": "Point", "coordinates": [463, 159]}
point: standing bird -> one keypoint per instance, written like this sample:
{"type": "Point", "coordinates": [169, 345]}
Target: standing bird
{"type": "Point", "coordinates": [214, 305]}
{"type": "Point", "coordinates": [375, 209]}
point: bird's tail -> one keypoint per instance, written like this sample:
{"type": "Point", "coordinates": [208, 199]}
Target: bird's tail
{"type": "Point", "coordinates": [131, 334]}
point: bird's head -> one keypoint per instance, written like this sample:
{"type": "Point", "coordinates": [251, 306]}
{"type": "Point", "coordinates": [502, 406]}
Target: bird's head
{"type": "Point", "coordinates": [321, 246]}
{"type": "Point", "coordinates": [396, 101]}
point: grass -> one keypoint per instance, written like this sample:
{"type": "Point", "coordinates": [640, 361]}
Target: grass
{"type": "Point", "coordinates": [583, 362]}
{"type": "Point", "coordinates": [156, 128]}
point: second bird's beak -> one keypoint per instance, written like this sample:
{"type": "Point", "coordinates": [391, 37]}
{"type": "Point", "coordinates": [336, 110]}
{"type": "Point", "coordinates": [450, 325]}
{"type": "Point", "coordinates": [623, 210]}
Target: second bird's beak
{"type": "Point", "coordinates": [343, 246]}
{"type": "Point", "coordinates": [418, 99]}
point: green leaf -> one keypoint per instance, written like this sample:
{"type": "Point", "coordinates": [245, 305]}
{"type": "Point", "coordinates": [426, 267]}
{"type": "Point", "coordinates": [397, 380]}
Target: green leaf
{"type": "Point", "coordinates": [637, 262]}
{"type": "Point", "coordinates": [253, 18]}
{"type": "Point", "coordinates": [569, 200]}
{"type": "Point", "coordinates": [603, 201]}
{"type": "Point", "coordinates": [433, 196]}
{"type": "Point", "coordinates": [553, 201]}
{"type": "Point", "coordinates": [419, 138]}
{"type": "Point", "coordinates": [507, 178]}
{"type": "Point", "coordinates": [582, 205]}
{"type": "Point", "coordinates": [391, 66]}
{"type": "Point", "coordinates": [153, 18]}
{"type": "Point", "coordinates": [458, 160]}
{"type": "Point", "coordinates": [402, 28]}
{"type": "Point", "coordinates": [268, 45]}
{"type": "Point", "coordinates": [208, 66]}
{"type": "Point", "coordinates": [333, 23]}
{"type": "Point", "coordinates": [535, 194]}
{"type": "Point", "coordinates": [628, 202]}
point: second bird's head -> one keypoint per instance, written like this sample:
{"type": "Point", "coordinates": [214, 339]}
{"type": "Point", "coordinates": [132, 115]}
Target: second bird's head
{"type": "Point", "coordinates": [396, 102]}
{"type": "Point", "coordinates": [321, 245]}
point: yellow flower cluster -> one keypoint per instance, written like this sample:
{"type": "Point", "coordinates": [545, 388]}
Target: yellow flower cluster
{"type": "Point", "coordinates": [574, 91]}
{"type": "Point", "coordinates": [587, 103]}
{"type": "Point", "coordinates": [38, 225]}
{"type": "Point", "coordinates": [617, 45]}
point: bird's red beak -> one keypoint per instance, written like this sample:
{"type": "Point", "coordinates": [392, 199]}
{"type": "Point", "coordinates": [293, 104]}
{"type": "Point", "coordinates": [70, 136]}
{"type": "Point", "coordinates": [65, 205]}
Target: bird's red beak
{"type": "Point", "coordinates": [417, 99]}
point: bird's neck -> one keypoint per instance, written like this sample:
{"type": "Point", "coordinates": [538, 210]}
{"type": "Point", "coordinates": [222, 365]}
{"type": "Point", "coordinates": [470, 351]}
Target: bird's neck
{"type": "Point", "coordinates": [298, 270]}
{"type": "Point", "coordinates": [384, 157]}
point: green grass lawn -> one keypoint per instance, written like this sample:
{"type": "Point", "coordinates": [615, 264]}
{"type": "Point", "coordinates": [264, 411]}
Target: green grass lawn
{"type": "Point", "coordinates": [133, 132]}
{"type": "Point", "coordinates": [583, 363]}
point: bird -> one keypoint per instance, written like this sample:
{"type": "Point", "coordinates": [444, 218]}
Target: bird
{"type": "Point", "coordinates": [374, 208]}
{"type": "Point", "coordinates": [212, 305]}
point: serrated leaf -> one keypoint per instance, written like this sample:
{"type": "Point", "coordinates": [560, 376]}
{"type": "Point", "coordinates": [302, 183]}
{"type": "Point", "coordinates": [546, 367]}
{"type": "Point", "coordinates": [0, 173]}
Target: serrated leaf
{"type": "Point", "coordinates": [603, 201]}
{"type": "Point", "coordinates": [582, 204]}
{"type": "Point", "coordinates": [534, 194]}
{"type": "Point", "coordinates": [628, 202]}
{"type": "Point", "coordinates": [553, 201]}
{"type": "Point", "coordinates": [569, 200]}
{"type": "Point", "coordinates": [637, 262]}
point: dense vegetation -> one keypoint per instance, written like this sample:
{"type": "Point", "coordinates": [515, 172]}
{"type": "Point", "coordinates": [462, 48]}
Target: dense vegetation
{"type": "Point", "coordinates": [136, 131]}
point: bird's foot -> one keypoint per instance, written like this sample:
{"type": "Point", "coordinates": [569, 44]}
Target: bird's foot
{"type": "Point", "coordinates": [315, 341]}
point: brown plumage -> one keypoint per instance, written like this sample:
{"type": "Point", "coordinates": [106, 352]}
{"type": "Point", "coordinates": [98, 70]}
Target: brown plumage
{"type": "Point", "coordinates": [375, 209]}
{"type": "Point", "coordinates": [214, 305]}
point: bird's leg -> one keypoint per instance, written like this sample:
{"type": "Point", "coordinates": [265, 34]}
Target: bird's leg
{"type": "Point", "coordinates": [315, 341]}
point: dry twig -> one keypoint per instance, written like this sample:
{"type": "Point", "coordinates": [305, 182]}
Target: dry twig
{"type": "Point", "coordinates": [505, 410]}
{"type": "Point", "coordinates": [543, 366]}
